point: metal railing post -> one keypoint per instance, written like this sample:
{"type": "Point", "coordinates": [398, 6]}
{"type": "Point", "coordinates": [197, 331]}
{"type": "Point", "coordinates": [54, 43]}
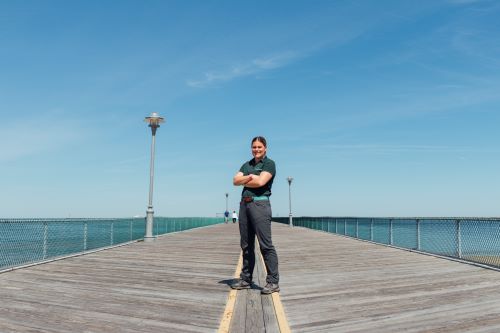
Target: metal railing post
{"type": "Point", "coordinates": [459, 239]}
{"type": "Point", "coordinates": [418, 234]}
{"type": "Point", "coordinates": [111, 234]}
{"type": "Point", "coordinates": [85, 237]}
{"type": "Point", "coordinates": [390, 232]}
{"type": "Point", "coordinates": [371, 230]}
{"type": "Point", "coordinates": [45, 235]}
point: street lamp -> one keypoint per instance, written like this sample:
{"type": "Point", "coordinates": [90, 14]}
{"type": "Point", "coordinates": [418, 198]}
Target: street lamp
{"type": "Point", "coordinates": [154, 121]}
{"type": "Point", "coordinates": [290, 222]}
{"type": "Point", "coordinates": [226, 218]}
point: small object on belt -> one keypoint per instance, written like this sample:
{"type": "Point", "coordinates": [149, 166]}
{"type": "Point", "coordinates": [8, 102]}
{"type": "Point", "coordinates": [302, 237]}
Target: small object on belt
{"type": "Point", "coordinates": [250, 199]}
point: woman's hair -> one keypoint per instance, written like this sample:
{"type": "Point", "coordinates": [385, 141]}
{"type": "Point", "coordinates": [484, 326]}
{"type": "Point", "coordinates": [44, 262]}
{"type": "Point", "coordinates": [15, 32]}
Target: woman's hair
{"type": "Point", "coordinates": [260, 139]}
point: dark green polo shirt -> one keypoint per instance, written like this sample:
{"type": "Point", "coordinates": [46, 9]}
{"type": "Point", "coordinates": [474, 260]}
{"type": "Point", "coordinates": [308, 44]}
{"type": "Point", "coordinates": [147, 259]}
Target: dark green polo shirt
{"type": "Point", "coordinates": [253, 168]}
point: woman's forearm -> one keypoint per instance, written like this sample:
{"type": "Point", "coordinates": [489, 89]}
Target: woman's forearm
{"type": "Point", "coordinates": [260, 180]}
{"type": "Point", "coordinates": [254, 182]}
{"type": "Point", "coordinates": [242, 180]}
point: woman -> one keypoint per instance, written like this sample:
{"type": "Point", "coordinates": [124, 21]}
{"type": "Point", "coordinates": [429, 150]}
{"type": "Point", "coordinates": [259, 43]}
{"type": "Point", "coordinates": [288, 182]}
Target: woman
{"type": "Point", "coordinates": [257, 177]}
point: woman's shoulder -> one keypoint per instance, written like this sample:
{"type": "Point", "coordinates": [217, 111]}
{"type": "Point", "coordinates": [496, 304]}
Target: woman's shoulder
{"type": "Point", "coordinates": [268, 160]}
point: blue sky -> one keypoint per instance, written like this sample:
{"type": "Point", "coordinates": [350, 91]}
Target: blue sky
{"type": "Point", "coordinates": [376, 108]}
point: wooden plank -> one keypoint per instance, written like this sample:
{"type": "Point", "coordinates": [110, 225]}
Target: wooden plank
{"type": "Point", "coordinates": [332, 283]}
{"type": "Point", "coordinates": [175, 284]}
{"type": "Point", "coordinates": [272, 308]}
{"type": "Point", "coordinates": [268, 310]}
{"type": "Point", "coordinates": [238, 321]}
{"type": "Point", "coordinates": [255, 312]}
{"type": "Point", "coordinates": [227, 317]}
{"type": "Point", "coordinates": [254, 318]}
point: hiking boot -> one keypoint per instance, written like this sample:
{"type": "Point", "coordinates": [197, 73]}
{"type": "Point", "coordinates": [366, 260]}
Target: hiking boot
{"type": "Point", "coordinates": [240, 284]}
{"type": "Point", "coordinates": [270, 288]}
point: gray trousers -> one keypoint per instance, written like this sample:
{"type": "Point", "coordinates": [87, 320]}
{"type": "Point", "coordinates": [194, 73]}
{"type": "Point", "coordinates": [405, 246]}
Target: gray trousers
{"type": "Point", "coordinates": [255, 220]}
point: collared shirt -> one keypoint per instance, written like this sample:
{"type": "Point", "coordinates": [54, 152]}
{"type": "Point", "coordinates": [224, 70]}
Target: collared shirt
{"type": "Point", "coordinates": [253, 168]}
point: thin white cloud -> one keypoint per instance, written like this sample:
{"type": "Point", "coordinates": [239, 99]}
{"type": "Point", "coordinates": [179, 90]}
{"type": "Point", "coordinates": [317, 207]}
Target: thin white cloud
{"type": "Point", "coordinates": [126, 166]}
{"type": "Point", "coordinates": [35, 136]}
{"type": "Point", "coordinates": [481, 45]}
{"type": "Point", "coordinates": [464, 2]}
{"type": "Point", "coordinates": [316, 30]}
{"type": "Point", "coordinates": [255, 66]}
{"type": "Point", "coordinates": [391, 149]}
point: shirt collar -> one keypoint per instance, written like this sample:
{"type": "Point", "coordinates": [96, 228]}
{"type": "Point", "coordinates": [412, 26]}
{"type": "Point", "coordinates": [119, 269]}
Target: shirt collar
{"type": "Point", "coordinates": [253, 161]}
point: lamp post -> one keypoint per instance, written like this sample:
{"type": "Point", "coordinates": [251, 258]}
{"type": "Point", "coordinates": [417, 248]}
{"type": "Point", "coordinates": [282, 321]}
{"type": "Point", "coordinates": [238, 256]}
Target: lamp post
{"type": "Point", "coordinates": [154, 121]}
{"type": "Point", "coordinates": [290, 221]}
{"type": "Point", "coordinates": [226, 218]}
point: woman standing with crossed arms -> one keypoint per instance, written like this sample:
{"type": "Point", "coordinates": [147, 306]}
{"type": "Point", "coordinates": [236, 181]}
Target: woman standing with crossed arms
{"type": "Point", "coordinates": [257, 177]}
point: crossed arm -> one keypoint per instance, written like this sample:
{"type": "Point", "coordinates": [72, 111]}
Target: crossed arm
{"type": "Point", "coordinates": [252, 181]}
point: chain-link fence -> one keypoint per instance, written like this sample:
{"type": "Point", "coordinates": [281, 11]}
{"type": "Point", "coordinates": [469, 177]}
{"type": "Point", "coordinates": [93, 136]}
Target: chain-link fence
{"type": "Point", "coordinates": [26, 241]}
{"type": "Point", "coordinates": [471, 239]}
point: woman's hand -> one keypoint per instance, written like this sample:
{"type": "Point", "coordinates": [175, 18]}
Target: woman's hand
{"type": "Point", "coordinates": [240, 179]}
{"type": "Point", "coordinates": [260, 180]}
{"type": "Point", "coordinates": [249, 178]}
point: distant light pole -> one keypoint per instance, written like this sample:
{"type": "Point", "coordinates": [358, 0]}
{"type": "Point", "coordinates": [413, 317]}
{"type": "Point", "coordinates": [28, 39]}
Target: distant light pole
{"type": "Point", "coordinates": [226, 218]}
{"type": "Point", "coordinates": [290, 221]}
{"type": "Point", "coordinates": [154, 121]}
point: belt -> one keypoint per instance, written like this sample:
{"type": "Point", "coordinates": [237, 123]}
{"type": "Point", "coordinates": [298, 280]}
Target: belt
{"type": "Point", "coordinates": [250, 199]}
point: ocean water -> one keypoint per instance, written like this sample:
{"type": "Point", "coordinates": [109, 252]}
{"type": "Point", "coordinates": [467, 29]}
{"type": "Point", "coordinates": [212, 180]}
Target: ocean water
{"type": "Point", "coordinates": [472, 239]}
{"type": "Point", "coordinates": [28, 241]}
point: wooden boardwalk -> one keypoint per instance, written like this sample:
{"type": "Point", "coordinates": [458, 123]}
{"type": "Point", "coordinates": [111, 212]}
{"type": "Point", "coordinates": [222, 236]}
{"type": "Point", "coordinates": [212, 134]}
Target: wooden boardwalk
{"type": "Point", "coordinates": [176, 284]}
{"type": "Point", "coordinates": [331, 283]}
{"type": "Point", "coordinates": [254, 312]}
{"type": "Point", "coordinates": [180, 282]}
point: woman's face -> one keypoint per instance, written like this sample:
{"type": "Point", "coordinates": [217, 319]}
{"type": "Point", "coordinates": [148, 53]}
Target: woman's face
{"type": "Point", "coordinates": [258, 150]}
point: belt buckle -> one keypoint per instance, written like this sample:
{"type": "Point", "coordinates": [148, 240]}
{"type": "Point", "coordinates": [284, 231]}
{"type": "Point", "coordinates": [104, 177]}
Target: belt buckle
{"type": "Point", "coordinates": [247, 199]}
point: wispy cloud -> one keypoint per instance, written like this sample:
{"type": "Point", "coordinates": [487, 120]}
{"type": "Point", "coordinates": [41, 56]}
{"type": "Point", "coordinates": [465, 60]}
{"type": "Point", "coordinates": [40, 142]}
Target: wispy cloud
{"type": "Point", "coordinates": [393, 149]}
{"type": "Point", "coordinates": [319, 28]}
{"type": "Point", "coordinates": [35, 136]}
{"type": "Point", "coordinates": [255, 66]}
{"type": "Point", "coordinates": [464, 2]}
{"type": "Point", "coordinates": [479, 44]}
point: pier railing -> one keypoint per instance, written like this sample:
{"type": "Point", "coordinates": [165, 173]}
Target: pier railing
{"type": "Point", "coordinates": [27, 241]}
{"type": "Point", "coordinates": [471, 239]}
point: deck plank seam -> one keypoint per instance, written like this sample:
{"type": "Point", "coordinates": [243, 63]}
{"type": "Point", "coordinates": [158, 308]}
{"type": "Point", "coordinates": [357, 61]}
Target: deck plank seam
{"type": "Point", "coordinates": [283, 325]}
{"type": "Point", "coordinates": [231, 301]}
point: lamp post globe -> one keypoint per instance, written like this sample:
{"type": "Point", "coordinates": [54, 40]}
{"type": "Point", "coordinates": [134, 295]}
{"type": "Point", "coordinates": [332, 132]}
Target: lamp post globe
{"type": "Point", "coordinates": [290, 220]}
{"type": "Point", "coordinates": [154, 120]}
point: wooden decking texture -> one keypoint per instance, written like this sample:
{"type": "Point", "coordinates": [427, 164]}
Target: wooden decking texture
{"type": "Point", "coordinates": [176, 284]}
{"type": "Point", "coordinates": [254, 312]}
{"type": "Point", "coordinates": [330, 283]}
{"type": "Point", "coordinates": [179, 284]}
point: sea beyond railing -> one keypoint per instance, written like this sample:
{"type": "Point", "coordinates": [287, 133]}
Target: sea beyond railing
{"type": "Point", "coordinates": [475, 240]}
{"type": "Point", "coordinates": [28, 241]}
